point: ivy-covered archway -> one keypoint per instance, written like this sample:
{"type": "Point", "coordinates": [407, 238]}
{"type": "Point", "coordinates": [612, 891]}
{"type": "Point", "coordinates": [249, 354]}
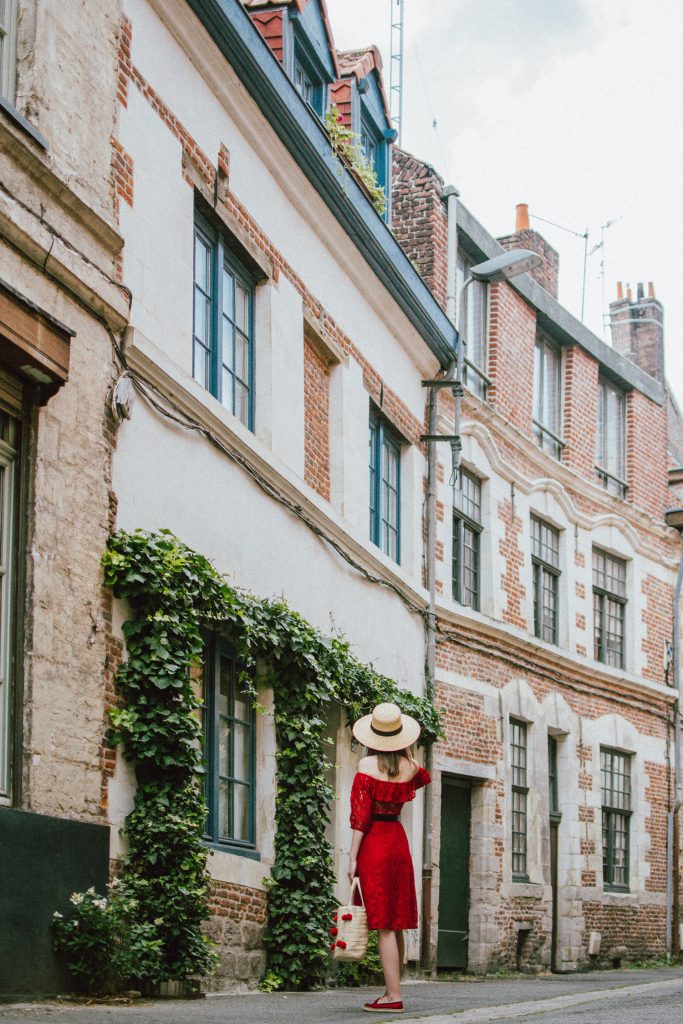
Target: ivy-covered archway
{"type": "Point", "coordinates": [173, 594]}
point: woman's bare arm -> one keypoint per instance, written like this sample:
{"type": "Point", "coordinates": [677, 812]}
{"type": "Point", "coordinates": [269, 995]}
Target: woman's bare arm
{"type": "Point", "coordinates": [353, 852]}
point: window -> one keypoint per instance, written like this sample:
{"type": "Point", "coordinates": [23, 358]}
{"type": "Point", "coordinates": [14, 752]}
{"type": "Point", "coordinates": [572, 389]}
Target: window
{"type": "Point", "coordinates": [554, 800]}
{"type": "Point", "coordinates": [385, 487]}
{"type": "Point", "coordinates": [8, 459]}
{"type": "Point", "coordinates": [545, 567]}
{"type": "Point", "coordinates": [547, 401]}
{"type": "Point", "coordinates": [473, 324]}
{"type": "Point", "coordinates": [229, 751]}
{"type": "Point", "coordinates": [8, 43]}
{"type": "Point", "coordinates": [615, 769]}
{"type": "Point", "coordinates": [466, 533]}
{"type": "Point", "coordinates": [520, 791]}
{"type": "Point", "coordinates": [307, 83]}
{"type": "Point", "coordinates": [609, 604]}
{"type": "Point", "coordinates": [368, 144]}
{"type": "Point", "coordinates": [223, 342]}
{"type": "Point", "coordinates": [610, 448]}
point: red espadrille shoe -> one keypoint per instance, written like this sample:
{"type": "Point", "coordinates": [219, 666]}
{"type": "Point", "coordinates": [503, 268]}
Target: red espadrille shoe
{"type": "Point", "coordinates": [378, 1007]}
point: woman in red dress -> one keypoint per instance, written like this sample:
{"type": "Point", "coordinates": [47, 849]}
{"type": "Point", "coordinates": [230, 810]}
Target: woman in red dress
{"type": "Point", "coordinates": [386, 779]}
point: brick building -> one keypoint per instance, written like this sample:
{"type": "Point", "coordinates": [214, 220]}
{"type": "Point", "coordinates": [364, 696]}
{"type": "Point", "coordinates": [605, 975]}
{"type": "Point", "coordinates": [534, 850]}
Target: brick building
{"type": "Point", "coordinates": [194, 214]}
{"type": "Point", "coordinates": [555, 612]}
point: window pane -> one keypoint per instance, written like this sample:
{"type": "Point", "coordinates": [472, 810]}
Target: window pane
{"type": "Point", "coordinates": [241, 760]}
{"type": "Point", "coordinates": [241, 308]}
{"type": "Point", "coordinates": [228, 294]}
{"type": "Point", "coordinates": [225, 679]}
{"type": "Point", "coordinates": [240, 795]}
{"type": "Point", "coordinates": [202, 265]}
{"type": "Point", "coordinates": [538, 381]}
{"type": "Point", "coordinates": [551, 391]}
{"type": "Point", "coordinates": [224, 765]}
{"type": "Point", "coordinates": [242, 403]}
{"type": "Point", "coordinates": [242, 357]}
{"type": "Point", "coordinates": [228, 351]}
{"type": "Point", "coordinates": [224, 822]}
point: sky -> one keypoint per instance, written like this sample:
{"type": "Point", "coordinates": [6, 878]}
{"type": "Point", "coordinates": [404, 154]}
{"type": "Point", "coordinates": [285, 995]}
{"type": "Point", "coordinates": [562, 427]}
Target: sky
{"type": "Point", "coordinates": [572, 106]}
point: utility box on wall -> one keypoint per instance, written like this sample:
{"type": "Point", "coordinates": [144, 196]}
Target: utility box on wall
{"type": "Point", "coordinates": [42, 861]}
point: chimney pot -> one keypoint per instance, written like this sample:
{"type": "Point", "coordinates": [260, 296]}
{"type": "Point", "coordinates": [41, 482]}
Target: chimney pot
{"type": "Point", "coordinates": [620, 290]}
{"type": "Point", "coordinates": [650, 290]}
{"type": "Point", "coordinates": [639, 291]}
{"type": "Point", "coordinates": [522, 218]}
{"type": "Point", "coordinates": [629, 293]}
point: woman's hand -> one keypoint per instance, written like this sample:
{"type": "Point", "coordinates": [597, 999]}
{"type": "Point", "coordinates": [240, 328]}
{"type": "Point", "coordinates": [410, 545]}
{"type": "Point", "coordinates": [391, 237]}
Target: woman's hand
{"type": "Point", "coordinates": [352, 869]}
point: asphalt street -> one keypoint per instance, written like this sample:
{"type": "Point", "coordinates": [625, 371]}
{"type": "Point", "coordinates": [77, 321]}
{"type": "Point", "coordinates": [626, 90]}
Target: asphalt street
{"type": "Point", "coordinates": [611, 997]}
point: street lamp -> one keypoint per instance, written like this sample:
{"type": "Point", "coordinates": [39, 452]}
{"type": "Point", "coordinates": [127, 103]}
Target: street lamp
{"type": "Point", "coordinates": [674, 519]}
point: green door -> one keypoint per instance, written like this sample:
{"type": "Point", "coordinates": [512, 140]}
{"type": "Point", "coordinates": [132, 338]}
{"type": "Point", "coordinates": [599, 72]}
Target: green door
{"type": "Point", "coordinates": [454, 885]}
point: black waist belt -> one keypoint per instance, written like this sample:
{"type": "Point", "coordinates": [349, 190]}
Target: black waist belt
{"type": "Point", "coordinates": [385, 817]}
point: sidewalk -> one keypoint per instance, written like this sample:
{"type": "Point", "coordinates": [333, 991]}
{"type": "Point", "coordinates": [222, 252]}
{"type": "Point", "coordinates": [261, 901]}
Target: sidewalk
{"type": "Point", "coordinates": [462, 1002]}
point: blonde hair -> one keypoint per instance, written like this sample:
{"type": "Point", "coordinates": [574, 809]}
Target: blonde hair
{"type": "Point", "coordinates": [389, 761]}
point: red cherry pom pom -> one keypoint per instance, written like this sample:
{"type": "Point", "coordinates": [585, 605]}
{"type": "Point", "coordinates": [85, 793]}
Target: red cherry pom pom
{"type": "Point", "coordinates": [334, 918]}
{"type": "Point", "coordinates": [341, 944]}
{"type": "Point", "coordinates": [332, 945]}
{"type": "Point", "coordinates": [333, 931]}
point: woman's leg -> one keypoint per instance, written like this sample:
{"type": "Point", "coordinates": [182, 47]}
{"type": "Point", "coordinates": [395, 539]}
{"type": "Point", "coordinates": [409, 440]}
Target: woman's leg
{"type": "Point", "coordinates": [388, 951]}
{"type": "Point", "coordinates": [401, 951]}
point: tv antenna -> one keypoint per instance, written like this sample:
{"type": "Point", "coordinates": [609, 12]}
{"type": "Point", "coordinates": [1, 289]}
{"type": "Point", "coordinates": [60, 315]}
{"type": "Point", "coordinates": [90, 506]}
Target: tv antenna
{"type": "Point", "coordinates": [396, 67]}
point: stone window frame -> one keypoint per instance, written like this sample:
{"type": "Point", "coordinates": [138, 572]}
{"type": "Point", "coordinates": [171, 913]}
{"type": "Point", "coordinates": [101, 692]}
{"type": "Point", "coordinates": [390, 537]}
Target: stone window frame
{"type": "Point", "coordinates": [467, 519]}
{"type": "Point", "coordinates": [616, 811]}
{"type": "Point", "coordinates": [545, 566]}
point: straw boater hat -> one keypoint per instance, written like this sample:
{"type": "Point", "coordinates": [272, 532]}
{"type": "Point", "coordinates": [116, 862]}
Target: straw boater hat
{"type": "Point", "coordinates": [386, 729]}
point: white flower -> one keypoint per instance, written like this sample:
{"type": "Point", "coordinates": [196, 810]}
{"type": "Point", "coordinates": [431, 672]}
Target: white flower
{"type": "Point", "coordinates": [91, 890]}
{"type": "Point", "coordinates": [100, 904]}
{"type": "Point", "coordinates": [57, 914]}
{"type": "Point", "coordinates": [76, 898]}
{"type": "Point", "coordinates": [75, 923]}
{"type": "Point", "coordinates": [114, 882]}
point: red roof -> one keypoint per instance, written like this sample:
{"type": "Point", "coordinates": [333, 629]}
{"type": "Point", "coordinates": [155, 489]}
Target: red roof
{"type": "Point", "coordinates": [300, 4]}
{"type": "Point", "coordinates": [361, 63]}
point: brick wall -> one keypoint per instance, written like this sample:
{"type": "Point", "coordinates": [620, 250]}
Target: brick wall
{"type": "Point", "coordinates": [580, 405]}
{"type": "Point", "coordinates": [471, 735]}
{"type": "Point", "coordinates": [269, 24]}
{"type": "Point", "coordinates": [639, 928]}
{"type": "Point", "coordinates": [512, 338]}
{"type": "Point", "coordinates": [638, 332]}
{"type": "Point", "coordinates": [547, 274]}
{"type": "Point", "coordinates": [511, 578]}
{"type": "Point", "coordinates": [646, 454]}
{"type": "Point", "coordinates": [317, 421]}
{"type": "Point", "coordinates": [236, 925]}
{"type": "Point", "coordinates": [419, 219]}
{"type": "Point", "coordinates": [657, 617]}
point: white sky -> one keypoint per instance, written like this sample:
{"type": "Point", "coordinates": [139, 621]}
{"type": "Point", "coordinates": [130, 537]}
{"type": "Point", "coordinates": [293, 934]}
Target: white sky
{"type": "Point", "coordinates": [572, 106]}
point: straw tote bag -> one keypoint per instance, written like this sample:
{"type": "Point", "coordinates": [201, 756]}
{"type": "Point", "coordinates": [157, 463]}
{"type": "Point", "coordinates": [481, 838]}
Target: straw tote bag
{"type": "Point", "coordinates": [350, 931]}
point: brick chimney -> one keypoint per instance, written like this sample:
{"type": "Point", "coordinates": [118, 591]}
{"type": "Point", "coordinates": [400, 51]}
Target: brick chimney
{"type": "Point", "coordinates": [638, 328]}
{"type": "Point", "coordinates": [526, 238]}
{"type": "Point", "coordinates": [419, 219]}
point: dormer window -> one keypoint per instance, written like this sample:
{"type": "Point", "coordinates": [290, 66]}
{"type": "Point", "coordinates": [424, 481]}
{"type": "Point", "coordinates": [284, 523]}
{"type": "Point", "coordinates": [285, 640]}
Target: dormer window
{"type": "Point", "coordinates": [308, 84]}
{"type": "Point", "coordinates": [368, 144]}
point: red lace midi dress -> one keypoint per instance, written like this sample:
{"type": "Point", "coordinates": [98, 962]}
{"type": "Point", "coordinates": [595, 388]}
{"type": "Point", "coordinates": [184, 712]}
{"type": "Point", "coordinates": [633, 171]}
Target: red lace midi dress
{"type": "Point", "coordinates": [385, 867]}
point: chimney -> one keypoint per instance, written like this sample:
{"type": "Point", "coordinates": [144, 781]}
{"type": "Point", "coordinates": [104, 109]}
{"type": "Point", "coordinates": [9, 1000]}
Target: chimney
{"type": "Point", "coordinates": [525, 237]}
{"type": "Point", "coordinates": [638, 328]}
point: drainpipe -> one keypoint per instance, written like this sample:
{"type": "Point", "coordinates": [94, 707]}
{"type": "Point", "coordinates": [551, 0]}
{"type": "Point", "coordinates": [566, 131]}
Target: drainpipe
{"type": "Point", "coordinates": [427, 954]}
{"type": "Point", "coordinates": [673, 827]}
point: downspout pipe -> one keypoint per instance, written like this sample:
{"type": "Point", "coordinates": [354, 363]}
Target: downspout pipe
{"type": "Point", "coordinates": [428, 951]}
{"type": "Point", "coordinates": [673, 823]}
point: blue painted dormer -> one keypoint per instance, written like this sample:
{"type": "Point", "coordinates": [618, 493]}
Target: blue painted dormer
{"type": "Point", "coordinates": [299, 34]}
{"type": "Point", "coordinates": [361, 97]}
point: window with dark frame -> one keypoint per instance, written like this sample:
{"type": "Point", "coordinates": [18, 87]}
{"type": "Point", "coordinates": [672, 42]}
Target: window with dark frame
{"type": "Point", "coordinates": [545, 567]}
{"type": "Point", "coordinates": [610, 439]}
{"type": "Point", "coordinates": [609, 608]}
{"type": "Point", "coordinates": [553, 791]}
{"type": "Point", "coordinates": [520, 794]}
{"type": "Point", "coordinates": [385, 487]}
{"type": "Point", "coordinates": [229, 729]}
{"type": "Point", "coordinates": [9, 439]}
{"type": "Point", "coordinates": [547, 416]}
{"type": "Point", "coordinates": [307, 83]}
{"type": "Point", "coordinates": [223, 334]}
{"type": "Point", "coordinates": [8, 49]}
{"type": "Point", "coordinates": [467, 528]}
{"type": "Point", "coordinates": [368, 145]}
{"type": "Point", "coordinates": [615, 770]}
{"type": "Point", "coordinates": [473, 325]}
